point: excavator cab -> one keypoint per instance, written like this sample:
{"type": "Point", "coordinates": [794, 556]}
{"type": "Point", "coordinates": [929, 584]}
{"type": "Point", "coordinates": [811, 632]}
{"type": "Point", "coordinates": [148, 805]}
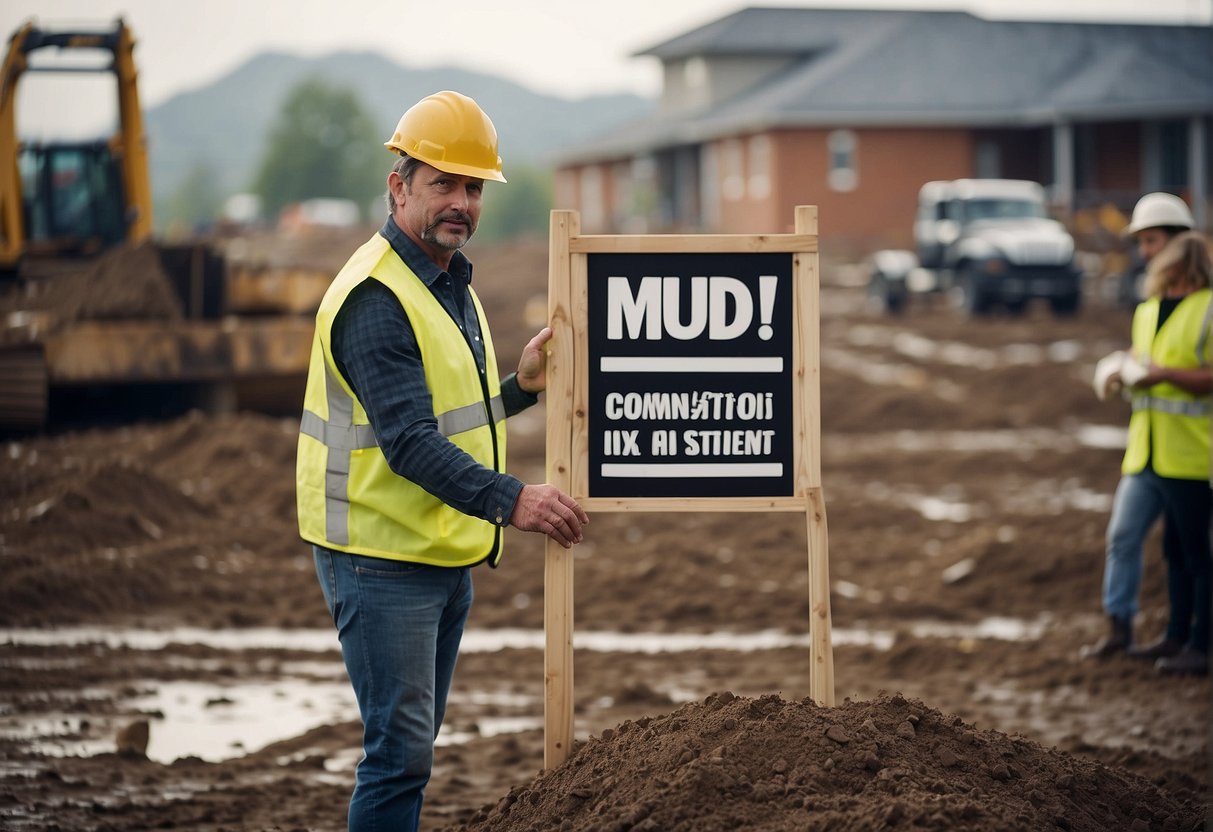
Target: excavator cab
{"type": "Point", "coordinates": [72, 199]}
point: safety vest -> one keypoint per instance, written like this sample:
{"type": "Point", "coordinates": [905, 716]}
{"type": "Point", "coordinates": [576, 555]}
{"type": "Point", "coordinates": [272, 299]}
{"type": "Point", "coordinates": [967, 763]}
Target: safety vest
{"type": "Point", "coordinates": [348, 499]}
{"type": "Point", "coordinates": [1169, 427]}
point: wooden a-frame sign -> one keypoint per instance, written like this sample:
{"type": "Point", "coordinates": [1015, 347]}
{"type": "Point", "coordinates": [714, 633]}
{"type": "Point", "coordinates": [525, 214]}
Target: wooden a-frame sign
{"type": "Point", "coordinates": [683, 375]}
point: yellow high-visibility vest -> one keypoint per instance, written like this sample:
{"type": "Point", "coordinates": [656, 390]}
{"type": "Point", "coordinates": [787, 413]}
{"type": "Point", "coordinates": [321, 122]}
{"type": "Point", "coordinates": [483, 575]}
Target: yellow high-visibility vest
{"type": "Point", "coordinates": [1170, 426]}
{"type": "Point", "coordinates": [348, 499]}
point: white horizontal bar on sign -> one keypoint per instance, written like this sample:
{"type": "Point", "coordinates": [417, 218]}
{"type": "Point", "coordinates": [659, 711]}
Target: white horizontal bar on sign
{"type": "Point", "coordinates": [692, 469]}
{"type": "Point", "coordinates": [700, 364]}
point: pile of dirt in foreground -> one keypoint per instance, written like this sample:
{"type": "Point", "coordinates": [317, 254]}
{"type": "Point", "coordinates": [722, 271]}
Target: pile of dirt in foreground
{"type": "Point", "coordinates": [733, 763]}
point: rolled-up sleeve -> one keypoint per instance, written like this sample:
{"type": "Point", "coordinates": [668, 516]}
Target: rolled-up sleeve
{"type": "Point", "coordinates": [377, 352]}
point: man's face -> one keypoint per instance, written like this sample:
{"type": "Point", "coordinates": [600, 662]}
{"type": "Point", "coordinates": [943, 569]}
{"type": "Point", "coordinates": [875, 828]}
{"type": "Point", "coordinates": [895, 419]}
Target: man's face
{"type": "Point", "coordinates": [439, 211]}
{"type": "Point", "coordinates": [1150, 241]}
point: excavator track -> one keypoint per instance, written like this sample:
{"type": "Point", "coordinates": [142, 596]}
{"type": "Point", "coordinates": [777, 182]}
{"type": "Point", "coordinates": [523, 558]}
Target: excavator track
{"type": "Point", "coordinates": [24, 387]}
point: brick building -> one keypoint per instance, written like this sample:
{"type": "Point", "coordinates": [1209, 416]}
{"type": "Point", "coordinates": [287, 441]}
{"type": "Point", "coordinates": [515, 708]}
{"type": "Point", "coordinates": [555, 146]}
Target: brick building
{"type": "Point", "coordinates": [852, 110]}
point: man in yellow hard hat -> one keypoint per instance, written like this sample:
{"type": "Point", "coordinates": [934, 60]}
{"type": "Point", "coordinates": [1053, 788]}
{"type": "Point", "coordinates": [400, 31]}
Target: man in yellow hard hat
{"type": "Point", "coordinates": [400, 479]}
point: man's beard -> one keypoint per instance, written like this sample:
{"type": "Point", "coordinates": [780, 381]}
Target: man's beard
{"type": "Point", "coordinates": [430, 235]}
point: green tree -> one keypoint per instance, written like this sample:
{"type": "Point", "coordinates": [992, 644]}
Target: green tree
{"type": "Point", "coordinates": [193, 204]}
{"type": "Point", "coordinates": [518, 208]}
{"type": "Point", "coordinates": [322, 144]}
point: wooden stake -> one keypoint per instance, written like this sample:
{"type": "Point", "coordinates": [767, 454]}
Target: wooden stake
{"type": "Point", "coordinates": [558, 562]}
{"type": "Point", "coordinates": [821, 650]}
{"type": "Point", "coordinates": [821, 670]}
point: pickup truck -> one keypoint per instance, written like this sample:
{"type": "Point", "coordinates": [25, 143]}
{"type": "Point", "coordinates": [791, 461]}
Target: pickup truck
{"type": "Point", "coordinates": [986, 243]}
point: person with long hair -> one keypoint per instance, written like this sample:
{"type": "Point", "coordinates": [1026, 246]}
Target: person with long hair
{"type": "Point", "coordinates": [1169, 442]}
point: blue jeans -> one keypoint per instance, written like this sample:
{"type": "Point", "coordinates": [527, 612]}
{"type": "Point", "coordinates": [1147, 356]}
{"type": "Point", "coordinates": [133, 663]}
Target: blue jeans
{"type": "Point", "coordinates": [400, 625]}
{"type": "Point", "coordinates": [1139, 502]}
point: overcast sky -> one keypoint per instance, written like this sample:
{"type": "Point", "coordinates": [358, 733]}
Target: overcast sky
{"type": "Point", "coordinates": [562, 47]}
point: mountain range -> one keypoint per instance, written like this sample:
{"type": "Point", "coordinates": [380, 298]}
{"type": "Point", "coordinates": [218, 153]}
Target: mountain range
{"type": "Point", "coordinates": [224, 125]}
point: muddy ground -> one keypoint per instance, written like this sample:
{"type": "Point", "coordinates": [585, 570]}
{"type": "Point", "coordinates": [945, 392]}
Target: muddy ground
{"type": "Point", "coordinates": [153, 576]}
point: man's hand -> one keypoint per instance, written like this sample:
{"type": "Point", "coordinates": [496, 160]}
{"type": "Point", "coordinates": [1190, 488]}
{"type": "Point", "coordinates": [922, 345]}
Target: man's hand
{"type": "Point", "coordinates": [547, 509]}
{"type": "Point", "coordinates": [532, 367]}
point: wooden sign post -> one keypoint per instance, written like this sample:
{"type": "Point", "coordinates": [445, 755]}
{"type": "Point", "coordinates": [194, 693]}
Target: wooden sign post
{"type": "Point", "coordinates": [683, 375]}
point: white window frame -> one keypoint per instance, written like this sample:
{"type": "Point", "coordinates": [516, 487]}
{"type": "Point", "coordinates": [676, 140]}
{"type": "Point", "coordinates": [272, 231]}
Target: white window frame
{"type": "Point", "coordinates": [760, 166]}
{"type": "Point", "coordinates": [593, 209]}
{"type": "Point", "coordinates": [842, 146]}
{"type": "Point", "coordinates": [732, 170]}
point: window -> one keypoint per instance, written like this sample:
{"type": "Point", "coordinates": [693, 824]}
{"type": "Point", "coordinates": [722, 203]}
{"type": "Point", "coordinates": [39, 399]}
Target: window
{"type": "Point", "coordinates": [844, 172]}
{"type": "Point", "coordinates": [695, 73]}
{"type": "Point", "coordinates": [732, 171]}
{"type": "Point", "coordinates": [709, 185]}
{"type": "Point", "coordinates": [593, 212]}
{"type": "Point", "coordinates": [760, 166]}
{"type": "Point", "coordinates": [988, 163]}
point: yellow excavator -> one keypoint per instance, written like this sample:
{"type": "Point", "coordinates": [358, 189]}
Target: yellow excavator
{"type": "Point", "coordinates": [95, 314]}
{"type": "Point", "coordinates": [79, 196]}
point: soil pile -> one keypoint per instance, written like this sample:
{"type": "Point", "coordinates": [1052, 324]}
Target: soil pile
{"type": "Point", "coordinates": [767, 764]}
{"type": "Point", "coordinates": [126, 282]}
{"type": "Point", "coordinates": [321, 248]}
{"type": "Point", "coordinates": [121, 521]}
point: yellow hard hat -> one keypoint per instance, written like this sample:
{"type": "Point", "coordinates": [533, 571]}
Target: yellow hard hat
{"type": "Point", "coordinates": [449, 131]}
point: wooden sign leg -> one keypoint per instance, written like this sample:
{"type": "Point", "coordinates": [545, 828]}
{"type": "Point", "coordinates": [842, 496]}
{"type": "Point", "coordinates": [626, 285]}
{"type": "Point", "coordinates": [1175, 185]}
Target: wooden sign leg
{"type": "Point", "coordinates": [558, 562]}
{"type": "Point", "coordinates": [821, 671]}
{"type": "Point", "coordinates": [557, 654]}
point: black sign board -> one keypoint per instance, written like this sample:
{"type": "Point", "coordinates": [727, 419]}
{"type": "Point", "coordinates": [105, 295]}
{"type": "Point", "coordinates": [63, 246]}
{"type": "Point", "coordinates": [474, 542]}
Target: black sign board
{"type": "Point", "coordinates": [690, 375]}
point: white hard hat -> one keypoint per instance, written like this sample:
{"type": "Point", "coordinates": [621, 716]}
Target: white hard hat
{"type": "Point", "coordinates": [1160, 210]}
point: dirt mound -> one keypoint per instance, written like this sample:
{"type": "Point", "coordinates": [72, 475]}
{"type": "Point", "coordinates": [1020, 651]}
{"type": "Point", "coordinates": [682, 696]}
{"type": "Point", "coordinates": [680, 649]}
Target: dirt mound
{"type": "Point", "coordinates": [767, 764]}
{"type": "Point", "coordinates": [125, 520]}
{"type": "Point", "coordinates": [115, 504]}
{"type": "Point", "coordinates": [126, 282]}
{"type": "Point", "coordinates": [129, 282]}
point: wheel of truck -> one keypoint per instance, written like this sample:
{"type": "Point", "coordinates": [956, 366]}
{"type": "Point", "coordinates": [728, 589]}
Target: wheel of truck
{"type": "Point", "coordinates": [973, 298]}
{"type": "Point", "coordinates": [885, 295]}
{"type": "Point", "coordinates": [1066, 305]}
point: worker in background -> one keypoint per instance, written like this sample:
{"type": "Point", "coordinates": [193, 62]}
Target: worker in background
{"type": "Point", "coordinates": [1157, 218]}
{"type": "Point", "coordinates": [401, 482]}
{"type": "Point", "coordinates": [1166, 466]}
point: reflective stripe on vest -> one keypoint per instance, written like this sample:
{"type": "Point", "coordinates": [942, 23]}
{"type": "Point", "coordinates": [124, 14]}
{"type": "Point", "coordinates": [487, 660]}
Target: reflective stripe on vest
{"type": "Point", "coordinates": [470, 416]}
{"type": "Point", "coordinates": [342, 437]}
{"type": "Point", "coordinates": [1174, 408]}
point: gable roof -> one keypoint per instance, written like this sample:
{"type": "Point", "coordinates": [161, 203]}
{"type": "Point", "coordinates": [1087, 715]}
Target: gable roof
{"type": "Point", "coordinates": [853, 67]}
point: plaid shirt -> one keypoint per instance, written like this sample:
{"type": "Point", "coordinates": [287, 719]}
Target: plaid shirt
{"type": "Point", "coordinates": [377, 353]}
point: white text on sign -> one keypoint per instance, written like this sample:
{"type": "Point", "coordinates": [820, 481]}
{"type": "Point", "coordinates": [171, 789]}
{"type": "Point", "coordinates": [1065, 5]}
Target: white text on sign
{"type": "Point", "coordinates": [700, 404]}
{"type": "Point", "coordinates": [656, 309]}
{"type": "Point", "coordinates": [689, 443]}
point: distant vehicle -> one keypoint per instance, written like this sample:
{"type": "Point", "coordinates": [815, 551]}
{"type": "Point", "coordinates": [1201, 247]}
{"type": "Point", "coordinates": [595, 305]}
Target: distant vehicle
{"type": "Point", "coordinates": [987, 243]}
{"type": "Point", "coordinates": [320, 212]}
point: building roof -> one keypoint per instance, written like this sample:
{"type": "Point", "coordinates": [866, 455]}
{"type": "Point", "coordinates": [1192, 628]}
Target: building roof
{"type": "Point", "coordinates": [864, 67]}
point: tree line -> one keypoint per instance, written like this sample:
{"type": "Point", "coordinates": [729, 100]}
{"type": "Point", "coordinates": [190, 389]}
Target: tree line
{"type": "Point", "coordinates": [323, 144]}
